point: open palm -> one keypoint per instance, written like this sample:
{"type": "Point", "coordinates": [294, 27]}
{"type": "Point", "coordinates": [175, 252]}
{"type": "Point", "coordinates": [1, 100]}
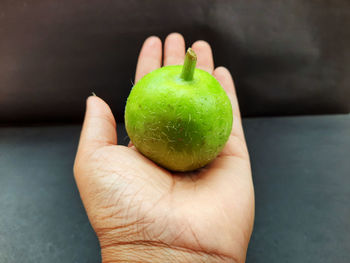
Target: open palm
{"type": "Point", "coordinates": [144, 213]}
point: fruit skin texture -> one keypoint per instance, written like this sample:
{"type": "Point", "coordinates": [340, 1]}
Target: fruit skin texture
{"type": "Point", "coordinates": [180, 125]}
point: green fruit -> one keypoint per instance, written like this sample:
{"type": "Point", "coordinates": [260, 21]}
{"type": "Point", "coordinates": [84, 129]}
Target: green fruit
{"type": "Point", "coordinates": [179, 116]}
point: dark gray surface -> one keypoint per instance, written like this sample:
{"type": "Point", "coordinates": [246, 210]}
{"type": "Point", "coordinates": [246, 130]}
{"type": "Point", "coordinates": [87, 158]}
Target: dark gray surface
{"type": "Point", "coordinates": [289, 57]}
{"type": "Point", "coordinates": [301, 172]}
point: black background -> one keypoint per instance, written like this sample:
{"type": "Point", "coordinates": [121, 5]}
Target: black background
{"type": "Point", "coordinates": [287, 57]}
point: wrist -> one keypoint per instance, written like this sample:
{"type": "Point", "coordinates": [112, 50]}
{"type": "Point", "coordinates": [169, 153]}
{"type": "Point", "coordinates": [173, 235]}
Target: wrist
{"type": "Point", "coordinates": [148, 251]}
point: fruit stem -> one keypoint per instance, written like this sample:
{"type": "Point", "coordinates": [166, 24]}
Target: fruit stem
{"type": "Point", "coordinates": [189, 65]}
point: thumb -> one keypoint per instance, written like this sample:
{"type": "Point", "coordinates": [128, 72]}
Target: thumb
{"type": "Point", "coordinates": [99, 128]}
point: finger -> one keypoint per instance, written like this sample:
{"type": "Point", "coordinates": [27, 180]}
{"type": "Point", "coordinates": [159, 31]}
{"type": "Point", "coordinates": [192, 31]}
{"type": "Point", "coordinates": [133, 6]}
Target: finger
{"type": "Point", "coordinates": [99, 128]}
{"type": "Point", "coordinates": [150, 57]}
{"type": "Point", "coordinates": [224, 77]}
{"type": "Point", "coordinates": [130, 144]}
{"type": "Point", "coordinates": [236, 144]}
{"type": "Point", "coordinates": [204, 56]}
{"type": "Point", "coordinates": [174, 49]}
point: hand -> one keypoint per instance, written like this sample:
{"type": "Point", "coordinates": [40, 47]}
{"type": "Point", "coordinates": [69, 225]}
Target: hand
{"type": "Point", "coordinates": [144, 213]}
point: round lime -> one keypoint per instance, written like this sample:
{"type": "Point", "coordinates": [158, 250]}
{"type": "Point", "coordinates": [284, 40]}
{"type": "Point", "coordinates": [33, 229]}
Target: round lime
{"type": "Point", "coordinates": [179, 116]}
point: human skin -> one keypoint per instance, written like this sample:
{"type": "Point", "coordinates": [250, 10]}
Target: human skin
{"type": "Point", "coordinates": [144, 213]}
